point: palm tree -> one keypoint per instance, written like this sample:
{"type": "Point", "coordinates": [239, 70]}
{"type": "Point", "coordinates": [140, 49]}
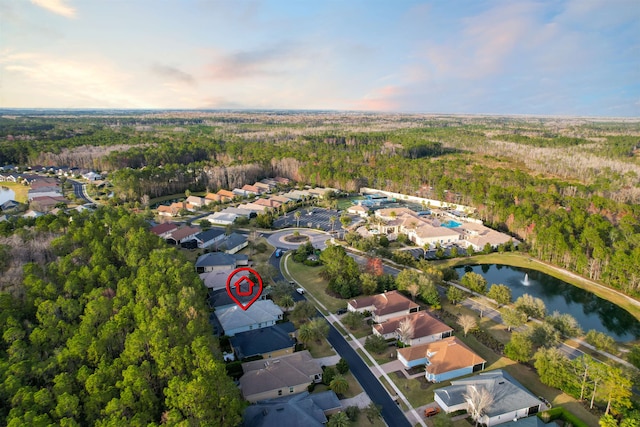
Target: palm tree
{"type": "Point", "coordinates": [339, 384]}
{"type": "Point", "coordinates": [339, 420]}
{"type": "Point", "coordinates": [297, 216]}
{"type": "Point", "coordinates": [306, 333]}
{"type": "Point", "coordinates": [286, 302]}
{"type": "Point", "coordinates": [332, 220]}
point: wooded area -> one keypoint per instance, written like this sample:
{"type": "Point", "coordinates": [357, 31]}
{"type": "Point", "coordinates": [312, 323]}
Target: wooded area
{"type": "Point", "coordinates": [114, 332]}
{"type": "Point", "coordinates": [570, 189]}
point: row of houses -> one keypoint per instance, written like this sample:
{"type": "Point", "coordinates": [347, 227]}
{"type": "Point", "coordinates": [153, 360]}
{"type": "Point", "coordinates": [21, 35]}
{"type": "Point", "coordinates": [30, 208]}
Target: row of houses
{"type": "Point", "coordinates": [445, 357]}
{"type": "Point", "coordinates": [10, 173]}
{"type": "Point", "coordinates": [430, 342]}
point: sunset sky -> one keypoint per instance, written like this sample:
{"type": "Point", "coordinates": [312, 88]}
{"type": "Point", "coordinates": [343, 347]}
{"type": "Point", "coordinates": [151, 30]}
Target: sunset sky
{"type": "Point", "coordinates": [577, 57]}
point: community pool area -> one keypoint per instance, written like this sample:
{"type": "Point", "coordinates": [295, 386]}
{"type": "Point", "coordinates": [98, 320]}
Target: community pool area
{"type": "Point", "coordinates": [451, 224]}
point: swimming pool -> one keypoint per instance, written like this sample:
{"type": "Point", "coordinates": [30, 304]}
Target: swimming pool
{"type": "Point", "coordinates": [451, 224]}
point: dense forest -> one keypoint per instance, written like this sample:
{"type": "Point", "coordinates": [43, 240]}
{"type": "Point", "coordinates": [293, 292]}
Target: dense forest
{"type": "Point", "coordinates": [112, 332]}
{"type": "Point", "coordinates": [568, 188]}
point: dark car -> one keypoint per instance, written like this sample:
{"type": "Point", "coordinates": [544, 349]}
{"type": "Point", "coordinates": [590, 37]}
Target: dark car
{"type": "Point", "coordinates": [341, 311]}
{"type": "Point", "coordinates": [431, 411]}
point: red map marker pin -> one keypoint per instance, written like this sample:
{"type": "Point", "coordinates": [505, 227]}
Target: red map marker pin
{"type": "Point", "coordinates": [243, 290]}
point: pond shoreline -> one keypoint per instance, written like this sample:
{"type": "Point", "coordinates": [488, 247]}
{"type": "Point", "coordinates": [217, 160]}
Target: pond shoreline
{"type": "Point", "coordinates": [525, 261]}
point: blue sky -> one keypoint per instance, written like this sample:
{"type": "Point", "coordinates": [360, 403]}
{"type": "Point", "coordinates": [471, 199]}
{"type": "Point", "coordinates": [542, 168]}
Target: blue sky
{"type": "Point", "coordinates": [577, 57]}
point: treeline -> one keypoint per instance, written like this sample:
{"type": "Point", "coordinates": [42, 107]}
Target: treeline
{"type": "Point", "coordinates": [115, 332]}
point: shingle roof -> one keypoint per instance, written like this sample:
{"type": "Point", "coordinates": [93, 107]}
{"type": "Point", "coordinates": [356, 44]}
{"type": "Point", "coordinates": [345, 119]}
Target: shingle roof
{"type": "Point", "coordinates": [183, 232]}
{"type": "Point", "coordinates": [216, 259]}
{"type": "Point", "coordinates": [271, 374]}
{"type": "Point", "coordinates": [447, 355]}
{"type": "Point", "coordinates": [264, 340]}
{"type": "Point", "coordinates": [388, 302]}
{"type": "Point", "coordinates": [163, 228]}
{"type": "Point", "coordinates": [300, 410]}
{"type": "Point", "coordinates": [210, 234]}
{"type": "Point", "coordinates": [422, 322]}
{"type": "Point", "coordinates": [231, 241]}
{"type": "Point", "coordinates": [261, 311]}
{"type": "Point", "coordinates": [508, 394]}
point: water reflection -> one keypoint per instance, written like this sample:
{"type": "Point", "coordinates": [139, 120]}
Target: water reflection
{"type": "Point", "coordinates": [591, 311]}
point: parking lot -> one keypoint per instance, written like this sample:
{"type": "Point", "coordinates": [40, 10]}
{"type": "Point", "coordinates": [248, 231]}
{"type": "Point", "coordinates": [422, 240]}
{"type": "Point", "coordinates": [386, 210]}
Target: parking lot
{"type": "Point", "coordinates": [418, 253]}
{"type": "Point", "coordinates": [313, 217]}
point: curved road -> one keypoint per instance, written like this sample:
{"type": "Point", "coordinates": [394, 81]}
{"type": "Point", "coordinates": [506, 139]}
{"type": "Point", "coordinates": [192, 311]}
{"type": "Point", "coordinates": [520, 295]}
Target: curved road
{"type": "Point", "coordinates": [318, 238]}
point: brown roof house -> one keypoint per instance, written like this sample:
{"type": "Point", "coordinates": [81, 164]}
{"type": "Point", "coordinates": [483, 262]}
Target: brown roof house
{"type": "Point", "coordinates": [282, 376]}
{"type": "Point", "coordinates": [419, 328]}
{"type": "Point", "coordinates": [384, 306]}
{"type": "Point", "coordinates": [164, 229]}
{"type": "Point", "coordinates": [443, 360]}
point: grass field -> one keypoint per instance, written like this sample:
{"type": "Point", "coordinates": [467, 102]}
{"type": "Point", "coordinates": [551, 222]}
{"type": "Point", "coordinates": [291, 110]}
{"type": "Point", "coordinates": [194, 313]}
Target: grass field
{"type": "Point", "coordinates": [309, 278]}
{"type": "Point", "coordinates": [520, 260]}
{"type": "Point", "coordinates": [321, 349]}
{"type": "Point", "coordinates": [20, 190]}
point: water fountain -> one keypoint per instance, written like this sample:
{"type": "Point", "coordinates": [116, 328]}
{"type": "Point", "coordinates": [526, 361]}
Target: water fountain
{"type": "Point", "coordinates": [525, 281]}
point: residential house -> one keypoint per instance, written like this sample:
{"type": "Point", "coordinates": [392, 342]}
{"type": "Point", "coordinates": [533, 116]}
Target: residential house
{"type": "Point", "coordinates": [211, 197]}
{"type": "Point", "coordinates": [273, 341]}
{"type": "Point", "coordinates": [269, 203]}
{"type": "Point", "coordinates": [443, 360]}
{"type": "Point", "coordinates": [253, 207]}
{"type": "Point", "coordinates": [164, 230]}
{"type": "Point", "coordinates": [46, 203]}
{"type": "Point", "coordinates": [300, 410]}
{"type": "Point", "coordinates": [260, 314]}
{"type": "Point", "coordinates": [9, 204]}
{"type": "Point", "coordinates": [428, 235]}
{"type": "Point", "coordinates": [285, 375]}
{"type": "Point", "coordinates": [196, 201]}
{"type": "Point", "coordinates": [511, 400]}
{"type": "Point", "coordinates": [239, 192]}
{"type": "Point", "coordinates": [219, 298]}
{"type": "Point", "coordinates": [92, 176]}
{"type": "Point", "coordinates": [280, 199]}
{"type": "Point", "coordinates": [281, 180]}
{"type": "Point", "coordinates": [252, 189]}
{"type": "Point", "coordinates": [209, 238]}
{"type": "Point", "coordinates": [384, 306]}
{"type": "Point", "coordinates": [221, 218]}
{"type": "Point", "coordinates": [358, 210]}
{"type": "Point", "coordinates": [182, 235]}
{"type": "Point", "coordinates": [32, 214]}
{"type": "Point", "coordinates": [232, 243]}
{"type": "Point", "coordinates": [264, 187]}
{"type": "Point", "coordinates": [215, 261]}
{"type": "Point", "coordinates": [421, 326]}
{"type": "Point", "coordinates": [478, 235]}
{"type": "Point", "coordinates": [164, 210]}
{"type": "Point", "coordinates": [240, 212]}
{"type": "Point", "coordinates": [225, 195]}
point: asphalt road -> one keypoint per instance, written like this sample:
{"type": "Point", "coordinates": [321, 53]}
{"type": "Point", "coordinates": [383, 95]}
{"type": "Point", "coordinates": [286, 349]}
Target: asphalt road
{"type": "Point", "coordinates": [78, 190]}
{"type": "Point", "coordinates": [391, 412]}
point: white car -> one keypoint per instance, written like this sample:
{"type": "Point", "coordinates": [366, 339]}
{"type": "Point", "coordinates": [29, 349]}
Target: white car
{"type": "Point", "coordinates": [300, 291]}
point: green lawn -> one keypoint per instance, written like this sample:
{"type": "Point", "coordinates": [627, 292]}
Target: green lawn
{"type": "Point", "coordinates": [321, 349]}
{"type": "Point", "coordinates": [309, 278]}
{"type": "Point", "coordinates": [363, 357]}
{"type": "Point", "coordinates": [20, 190]}
{"type": "Point", "coordinates": [418, 391]}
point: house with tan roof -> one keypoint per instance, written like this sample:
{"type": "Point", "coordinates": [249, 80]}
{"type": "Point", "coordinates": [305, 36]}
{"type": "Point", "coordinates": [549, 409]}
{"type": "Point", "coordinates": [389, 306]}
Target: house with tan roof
{"type": "Point", "coordinates": [443, 360]}
{"type": "Point", "coordinates": [358, 210]}
{"type": "Point", "coordinates": [478, 235]}
{"type": "Point", "coordinates": [280, 199]}
{"type": "Point", "coordinates": [282, 376]}
{"type": "Point", "coordinates": [252, 189]}
{"type": "Point", "coordinates": [225, 195]}
{"type": "Point", "coordinates": [423, 328]}
{"type": "Point", "coordinates": [212, 197]}
{"type": "Point", "coordinates": [196, 201]}
{"type": "Point", "coordinates": [269, 203]}
{"type": "Point", "coordinates": [164, 210]}
{"type": "Point", "coordinates": [427, 234]}
{"type": "Point", "coordinates": [384, 306]}
{"type": "Point", "coordinates": [265, 188]}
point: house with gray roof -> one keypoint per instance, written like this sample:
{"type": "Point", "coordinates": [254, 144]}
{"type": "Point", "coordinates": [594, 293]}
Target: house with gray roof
{"type": "Point", "coordinates": [260, 314]}
{"type": "Point", "coordinates": [232, 243]}
{"type": "Point", "coordinates": [209, 238]}
{"type": "Point", "coordinates": [300, 410]}
{"type": "Point", "coordinates": [511, 400]}
{"type": "Point", "coordinates": [282, 376]}
{"type": "Point", "coordinates": [215, 261]}
{"type": "Point", "coordinates": [219, 298]}
{"type": "Point", "coordinates": [270, 342]}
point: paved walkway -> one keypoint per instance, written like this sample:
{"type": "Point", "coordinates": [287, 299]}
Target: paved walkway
{"type": "Point", "coordinates": [361, 401]}
{"type": "Point", "coordinates": [329, 360]}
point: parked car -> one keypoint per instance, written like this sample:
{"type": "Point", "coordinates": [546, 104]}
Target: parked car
{"type": "Point", "coordinates": [431, 411]}
{"type": "Point", "coordinates": [341, 311]}
{"type": "Point", "coordinates": [300, 291]}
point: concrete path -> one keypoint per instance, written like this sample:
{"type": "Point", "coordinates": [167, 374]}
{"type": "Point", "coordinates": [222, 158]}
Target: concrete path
{"type": "Point", "coordinates": [361, 401]}
{"type": "Point", "coordinates": [329, 360]}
